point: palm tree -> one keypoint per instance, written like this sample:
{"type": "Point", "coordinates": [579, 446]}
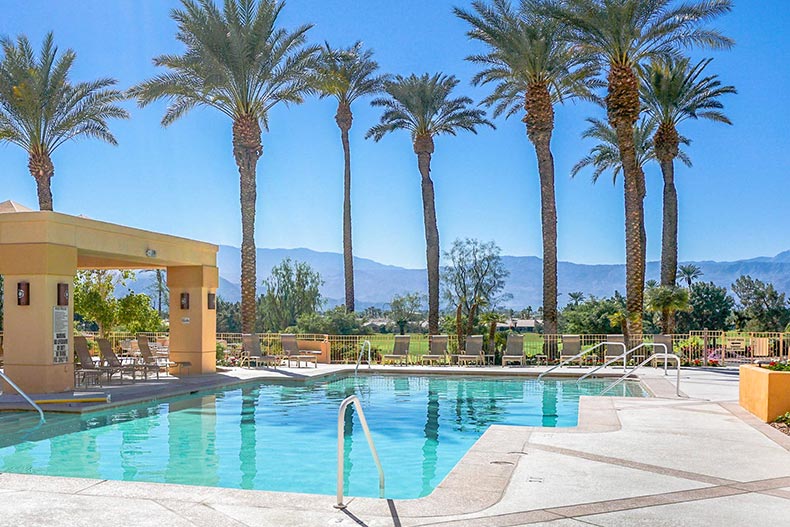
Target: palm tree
{"type": "Point", "coordinates": [689, 273]}
{"type": "Point", "coordinates": [423, 107]}
{"type": "Point", "coordinates": [239, 62]}
{"type": "Point", "coordinates": [533, 68]}
{"type": "Point", "coordinates": [621, 35]}
{"type": "Point", "coordinates": [673, 90]}
{"type": "Point", "coordinates": [666, 300]}
{"type": "Point", "coordinates": [40, 108]}
{"type": "Point", "coordinates": [576, 297]}
{"type": "Point", "coordinates": [346, 75]}
{"type": "Point", "coordinates": [605, 155]}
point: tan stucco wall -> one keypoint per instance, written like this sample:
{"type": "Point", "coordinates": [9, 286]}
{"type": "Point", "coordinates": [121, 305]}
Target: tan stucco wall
{"type": "Point", "coordinates": [763, 392]}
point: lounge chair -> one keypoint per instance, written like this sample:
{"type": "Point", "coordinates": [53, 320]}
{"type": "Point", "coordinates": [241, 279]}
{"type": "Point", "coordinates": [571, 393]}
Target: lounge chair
{"type": "Point", "coordinates": [437, 350]}
{"type": "Point", "coordinates": [571, 345]}
{"type": "Point", "coordinates": [151, 361]}
{"type": "Point", "coordinates": [472, 352]}
{"type": "Point", "coordinates": [292, 352]}
{"type": "Point", "coordinates": [611, 352]}
{"type": "Point", "coordinates": [113, 363]}
{"type": "Point", "coordinates": [514, 351]}
{"type": "Point", "coordinates": [87, 369]}
{"type": "Point", "coordinates": [400, 351]}
{"type": "Point", "coordinates": [251, 352]}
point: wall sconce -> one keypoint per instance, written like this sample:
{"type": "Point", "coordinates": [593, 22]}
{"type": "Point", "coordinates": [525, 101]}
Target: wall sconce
{"type": "Point", "coordinates": [63, 294]}
{"type": "Point", "coordinates": [212, 301]}
{"type": "Point", "coordinates": [184, 300]}
{"type": "Point", "coordinates": [151, 253]}
{"type": "Point", "coordinates": [23, 294]}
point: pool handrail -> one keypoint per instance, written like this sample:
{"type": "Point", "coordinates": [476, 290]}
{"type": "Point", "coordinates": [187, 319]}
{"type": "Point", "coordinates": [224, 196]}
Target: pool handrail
{"type": "Point", "coordinates": [655, 356]}
{"type": "Point", "coordinates": [24, 395]}
{"type": "Point", "coordinates": [353, 399]}
{"type": "Point", "coordinates": [624, 357]}
{"type": "Point", "coordinates": [581, 354]}
{"type": "Point", "coordinates": [362, 352]}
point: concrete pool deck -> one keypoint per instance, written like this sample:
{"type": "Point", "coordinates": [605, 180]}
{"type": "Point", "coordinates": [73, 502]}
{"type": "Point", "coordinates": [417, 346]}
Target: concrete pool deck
{"type": "Point", "coordinates": [695, 460]}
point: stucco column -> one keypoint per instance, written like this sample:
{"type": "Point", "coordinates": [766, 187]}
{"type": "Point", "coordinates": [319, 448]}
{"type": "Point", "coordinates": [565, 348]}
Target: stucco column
{"type": "Point", "coordinates": [29, 339]}
{"type": "Point", "coordinates": [193, 329]}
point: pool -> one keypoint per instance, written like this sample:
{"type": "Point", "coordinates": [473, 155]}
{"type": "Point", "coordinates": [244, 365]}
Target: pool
{"type": "Point", "coordinates": [282, 435]}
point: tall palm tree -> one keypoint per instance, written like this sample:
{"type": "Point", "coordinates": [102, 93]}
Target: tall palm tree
{"type": "Point", "coordinates": [533, 68]}
{"type": "Point", "coordinates": [576, 297]}
{"type": "Point", "coordinates": [689, 273]}
{"type": "Point", "coordinates": [673, 90]}
{"type": "Point", "coordinates": [40, 108]}
{"type": "Point", "coordinates": [422, 106]}
{"type": "Point", "coordinates": [239, 62]}
{"type": "Point", "coordinates": [347, 75]}
{"type": "Point", "coordinates": [621, 35]}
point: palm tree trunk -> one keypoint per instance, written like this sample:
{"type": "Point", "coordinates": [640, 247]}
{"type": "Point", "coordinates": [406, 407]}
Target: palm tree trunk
{"type": "Point", "coordinates": [247, 149]}
{"type": "Point", "coordinates": [41, 168]}
{"type": "Point", "coordinates": [423, 147]}
{"type": "Point", "coordinates": [622, 104]}
{"type": "Point", "coordinates": [344, 119]}
{"type": "Point", "coordinates": [470, 322]}
{"type": "Point", "coordinates": [666, 143]}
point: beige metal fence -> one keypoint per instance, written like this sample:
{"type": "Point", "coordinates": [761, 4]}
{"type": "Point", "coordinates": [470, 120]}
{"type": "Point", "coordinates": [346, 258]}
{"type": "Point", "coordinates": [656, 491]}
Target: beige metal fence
{"type": "Point", "coordinates": [701, 348]}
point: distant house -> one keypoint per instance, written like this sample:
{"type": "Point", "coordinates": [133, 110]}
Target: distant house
{"type": "Point", "coordinates": [520, 325]}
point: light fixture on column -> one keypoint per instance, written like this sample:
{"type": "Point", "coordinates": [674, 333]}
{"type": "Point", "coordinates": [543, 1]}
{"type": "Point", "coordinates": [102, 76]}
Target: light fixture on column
{"type": "Point", "coordinates": [151, 253]}
{"type": "Point", "coordinates": [23, 294]}
{"type": "Point", "coordinates": [63, 294]}
{"type": "Point", "coordinates": [184, 300]}
{"type": "Point", "coordinates": [212, 301]}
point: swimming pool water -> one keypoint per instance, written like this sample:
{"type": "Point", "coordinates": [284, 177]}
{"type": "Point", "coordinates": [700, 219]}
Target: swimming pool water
{"type": "Point", "coordinates": [282, 435]}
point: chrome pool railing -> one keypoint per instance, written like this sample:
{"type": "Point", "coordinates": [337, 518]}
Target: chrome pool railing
{"type": "Point", "coordinates": [624, 358]}
{"type": "Point", "coordinates": [361, 353]}
{"type": "Point", "coordinates": [655, 356]}
{"type": "Point", "coordinates": [23, 394]}
{"type": "Point", "coordinates": [341, 413]}
{"type": "Point", "coordinates": [582, 354]}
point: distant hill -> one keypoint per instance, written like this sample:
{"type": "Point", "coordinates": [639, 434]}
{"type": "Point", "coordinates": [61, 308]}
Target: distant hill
{"type": "Point", "coordinates": [376, 283]}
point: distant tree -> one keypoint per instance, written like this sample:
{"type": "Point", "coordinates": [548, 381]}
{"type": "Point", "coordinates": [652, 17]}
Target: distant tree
{"type": "Point", "coordinates": [373, 312]}
{"type": "Point", "coordinates": [710, 307]}
{"type": "Point", "coordinates": [159, 291]}
{"type": "Point", "coordinates": [347, 74]}
{"type": "Point", "coordinates": [650, 284]}
{"type": "Point", "coordinates": [689, 273]}
{"type": "Point", "coordinates": [575, 297]}
{"type": "Point", "coordinates": [592, 316]}
{"type": "Point", "coordinates": [40, 108]}
{"type": "Point", "coordinates": [423, 107]}
{"type": "Point", "coordinates": [474, 277]}
{"type": "Point", "coordinates": [228, 316]}
{"type": "Point", "coordinates": [666, 300]}
{"type": "Point", "coordinates": [490, 319]}
{"type": "Point", "coordinates": [405, 309]}
{"type": "Point", "coordinates": [95, 301]}
{"type": "Point", "coordinates": [336, 321]}
{"type": "Point", "coordinates": [292, 289]}
{"type": "Point", "coordinates": [760, 306]}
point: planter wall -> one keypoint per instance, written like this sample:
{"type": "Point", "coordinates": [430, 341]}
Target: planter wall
{"type": "Point", "coordinates": [763, 392]}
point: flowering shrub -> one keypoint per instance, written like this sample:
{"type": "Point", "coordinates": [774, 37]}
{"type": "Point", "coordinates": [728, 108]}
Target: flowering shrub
{"type": "Point", "coordinates": [779, 366]}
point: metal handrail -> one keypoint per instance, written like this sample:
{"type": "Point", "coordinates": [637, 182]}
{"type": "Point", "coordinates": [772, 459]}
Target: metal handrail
{"type": "Point", "coordinates": [655, 356]}
{"type": "Point", "coordinates": [24, 395]}
{"type": "Point", "coordinates": [581, 354]}
{"type": "Point", "coordinates": [624, 356]}
{"type": "Point", "coordinates": [341, 447]}
{"type": "Point", "coordinates": [362, 352]}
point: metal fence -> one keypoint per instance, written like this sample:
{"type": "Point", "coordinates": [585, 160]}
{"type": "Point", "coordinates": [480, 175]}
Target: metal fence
{"type": "Point", "coordinates": [700, 348]}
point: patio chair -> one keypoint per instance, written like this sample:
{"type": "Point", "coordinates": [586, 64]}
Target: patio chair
{"type": "Point", "coordinates": [472, 352]}
{"type": "Point", "coordinates": [113, 363]}
{"type": "Point", "coordinates": [571, 345]}
{"type": "Point", "coordinates": [610, 352]}
{"type": "Point", "coordinates": [437, 350]}
{"type": "Point", "coordinates": [514, 350]}
{"type": "Point", "coordinates": [400, 351]}
{"type": "Point", "coordinates": [87, 368]}
{"type": "Point", "coordinates": [150, 361]}
{"type": "Point", "coordinates": [251, 352]}
{"type": "Point", "coordinates": [292, 352]}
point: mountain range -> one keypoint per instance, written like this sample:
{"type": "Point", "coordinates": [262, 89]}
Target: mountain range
{"type": "Point", "coordinates": [377, 283]}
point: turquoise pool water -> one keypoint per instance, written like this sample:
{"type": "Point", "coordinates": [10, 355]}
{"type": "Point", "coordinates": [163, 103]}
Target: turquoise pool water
{"type": "Point", "coordinates": [282, 436]}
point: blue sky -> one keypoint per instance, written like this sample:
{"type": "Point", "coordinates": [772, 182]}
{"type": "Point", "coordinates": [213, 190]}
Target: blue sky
{"type": "Point", "coordinates": [182, 180]}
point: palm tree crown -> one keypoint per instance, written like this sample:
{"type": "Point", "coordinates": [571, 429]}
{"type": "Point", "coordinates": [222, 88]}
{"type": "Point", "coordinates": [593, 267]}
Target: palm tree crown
{"type": "Point", "coordinates": [422, 106]}
{"type": "Point", "coordinates": [689, 273]}
{"type": "Point", "coordinates": [40, 109]}
{"type": "Point", "coordinates": [237, 61]}
{"type": "Point", "coordinates": [347, 74]}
